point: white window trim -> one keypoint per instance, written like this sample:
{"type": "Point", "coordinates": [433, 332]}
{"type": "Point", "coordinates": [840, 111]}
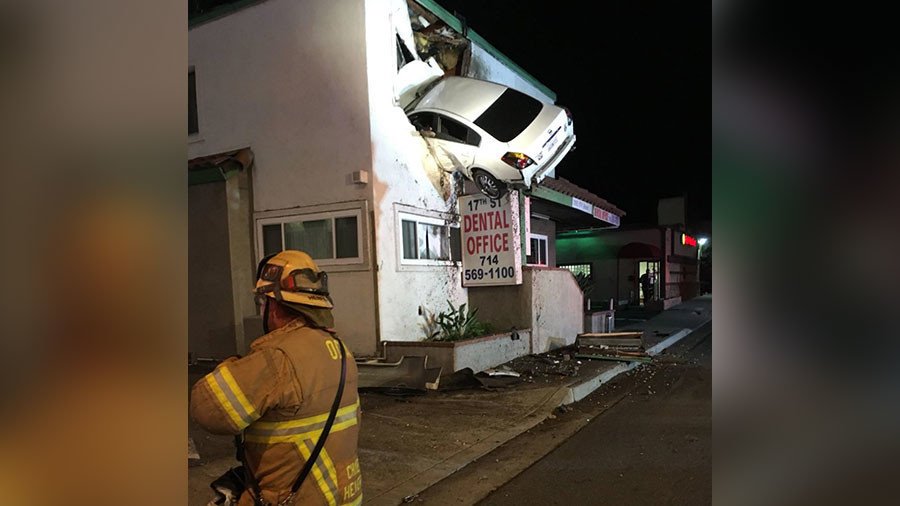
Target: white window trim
{"type": "Point", "coordinates": [546, 248]}
{"type": "Point", "coordinates": [292, 218]}
{"type": "Point", "coordinates": [429, 220]}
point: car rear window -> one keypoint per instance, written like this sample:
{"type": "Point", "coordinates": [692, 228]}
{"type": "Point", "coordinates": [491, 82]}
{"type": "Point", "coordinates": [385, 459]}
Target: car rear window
{"type": "Point", "coordinates": [509, 115]}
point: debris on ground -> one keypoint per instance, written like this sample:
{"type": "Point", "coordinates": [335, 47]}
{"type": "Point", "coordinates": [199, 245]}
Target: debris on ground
{"type": "Point", "coordinates": [192, 450]}
{"type": "Point", "coordinates": [501, 371]}
{"type": "Point", "coordinates": [561, 410]}
{"type": "Point", "coordinates": [616, 346]}
{"type": "Point", "coordinates": [408, 376]}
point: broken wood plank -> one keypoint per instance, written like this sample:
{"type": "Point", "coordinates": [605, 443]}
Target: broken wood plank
{"type": "Point", "coordinates": [632, 334]}
{"type": "Point", "coordinates": [608, 341]}
{"type": "Point", "coordinates": [619, 358]}
{"type": "Point", "coordinates": [611, 351]}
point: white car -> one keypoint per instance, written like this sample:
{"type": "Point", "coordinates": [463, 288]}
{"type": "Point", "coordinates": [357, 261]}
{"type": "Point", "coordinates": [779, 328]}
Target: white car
{"type": "Point", "coordinates": [497, 136]}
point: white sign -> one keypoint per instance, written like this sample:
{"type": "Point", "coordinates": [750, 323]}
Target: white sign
{"type": "Point", "coordinates": [604, 215]}
{"type": "Point", "coordinates": [582, 205]}
{"type": "Point", "coordinates": [491, 245]}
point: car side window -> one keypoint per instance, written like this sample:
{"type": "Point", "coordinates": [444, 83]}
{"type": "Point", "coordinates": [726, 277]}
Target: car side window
{"type": "Point", "coordinates": [423, 121]}
{"type": "Point", "coordinates": [455, 131]}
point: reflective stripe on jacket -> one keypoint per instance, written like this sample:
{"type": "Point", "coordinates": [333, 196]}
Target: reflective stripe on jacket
{"type": "Point", "coordinates": [280, 396]}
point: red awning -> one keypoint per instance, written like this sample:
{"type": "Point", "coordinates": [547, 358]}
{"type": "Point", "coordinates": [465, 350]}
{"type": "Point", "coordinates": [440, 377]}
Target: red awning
{"type": "Point", "coordinates": [640, 250]}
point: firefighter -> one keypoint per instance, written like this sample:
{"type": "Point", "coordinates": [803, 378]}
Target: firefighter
{"type": "Point", "coordinates": [280, 396]}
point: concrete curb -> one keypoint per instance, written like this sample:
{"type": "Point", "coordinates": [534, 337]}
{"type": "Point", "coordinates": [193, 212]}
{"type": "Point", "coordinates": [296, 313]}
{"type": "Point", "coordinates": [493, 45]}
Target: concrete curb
{"type": "Point", "coordinates": [581, 390]}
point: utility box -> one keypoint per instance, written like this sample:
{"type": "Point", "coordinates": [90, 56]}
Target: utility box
{"type": "Point", "coordinates": [599, 321]}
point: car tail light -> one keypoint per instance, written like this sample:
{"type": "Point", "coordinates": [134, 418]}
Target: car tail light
{"type": "Point", "coordinates": [568, 114]}
{"type": "Point", "coordinates": [519, 161]}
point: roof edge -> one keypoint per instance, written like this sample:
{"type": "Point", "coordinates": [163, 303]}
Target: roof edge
{"type": "Point", "coordinates": [454, 22]}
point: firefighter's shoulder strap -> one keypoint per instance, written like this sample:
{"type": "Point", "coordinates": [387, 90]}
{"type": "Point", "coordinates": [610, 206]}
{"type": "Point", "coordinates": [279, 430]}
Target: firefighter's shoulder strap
{"type": "Point", "coordinates": [328, 423]}
{"type": "Point", "coordinates": [307, 467]}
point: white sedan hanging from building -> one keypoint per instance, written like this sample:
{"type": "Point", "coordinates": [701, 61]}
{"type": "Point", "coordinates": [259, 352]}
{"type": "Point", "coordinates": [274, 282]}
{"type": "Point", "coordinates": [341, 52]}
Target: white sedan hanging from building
{"type": "Point", "coordinates": [496, 136]}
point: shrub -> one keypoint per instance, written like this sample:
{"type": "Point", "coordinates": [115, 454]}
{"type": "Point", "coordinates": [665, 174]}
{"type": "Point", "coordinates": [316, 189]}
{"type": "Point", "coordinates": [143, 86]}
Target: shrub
{"type": "Point", "coordinates": [455, 324]}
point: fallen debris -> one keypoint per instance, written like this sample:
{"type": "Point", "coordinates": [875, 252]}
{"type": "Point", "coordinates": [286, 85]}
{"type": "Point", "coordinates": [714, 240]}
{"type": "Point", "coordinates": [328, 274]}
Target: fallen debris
{"type": "Point", "coordinates": [407, 376]}
{"type": "Point", "coordinates": [192, 450]}
{"type": "Point", "coordinates": [501, 371]}
{"type": "Point", "coordinates": [620, 358]}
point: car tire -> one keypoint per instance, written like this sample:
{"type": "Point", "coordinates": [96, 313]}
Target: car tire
{"type": "Point", "coordinates": [488, 184]}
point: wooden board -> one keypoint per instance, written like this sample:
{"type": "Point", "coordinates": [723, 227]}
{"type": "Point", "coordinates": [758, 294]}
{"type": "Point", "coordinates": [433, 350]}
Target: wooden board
{"type": "Point", "coordinates": [633, 335]}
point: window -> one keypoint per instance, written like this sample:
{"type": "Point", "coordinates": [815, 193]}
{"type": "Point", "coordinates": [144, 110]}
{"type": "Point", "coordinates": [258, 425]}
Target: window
{"type": "Point", "coordinates": [454, 131]}
{"type": "Point", "coordinates": [538, 254]}
{"type": "Point", "coordinates": [424, 121]}
{"type": "Point", "coordinates": [193, 123]}
{"type": "Point", "coordinates": [579, 269]}
{"type": "Point", "coordinates": [404, 55]}
{"type": "Point", "coordinates": [329, 238]}
{"type": "Point", "coordinates": [428, 241]}
{"type": "Point", "coordinates": [509, 115]}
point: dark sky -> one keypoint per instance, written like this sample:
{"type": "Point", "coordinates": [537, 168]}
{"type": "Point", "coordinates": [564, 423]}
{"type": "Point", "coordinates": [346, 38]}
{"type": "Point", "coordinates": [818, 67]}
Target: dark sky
{"type": "Point", "coordinates": [636, 77]}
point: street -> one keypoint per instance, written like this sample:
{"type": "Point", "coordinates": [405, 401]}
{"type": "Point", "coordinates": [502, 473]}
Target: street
{"type": "Point", "coordinates": [648, 442]}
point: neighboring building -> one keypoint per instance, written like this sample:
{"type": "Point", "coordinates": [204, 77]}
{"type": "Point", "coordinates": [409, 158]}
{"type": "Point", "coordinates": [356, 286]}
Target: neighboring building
{"type": "Point", "coordinates": [297, 140]}
{"type": "Point", "coordinates": [615, 261]}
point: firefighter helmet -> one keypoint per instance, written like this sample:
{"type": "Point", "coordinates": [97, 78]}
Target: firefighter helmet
{"type": "Point", "coordinates": [291, 276]}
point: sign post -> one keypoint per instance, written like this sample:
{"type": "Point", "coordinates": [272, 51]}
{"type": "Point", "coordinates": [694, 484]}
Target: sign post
{"type": "Point", "coordinates": [491, 240]}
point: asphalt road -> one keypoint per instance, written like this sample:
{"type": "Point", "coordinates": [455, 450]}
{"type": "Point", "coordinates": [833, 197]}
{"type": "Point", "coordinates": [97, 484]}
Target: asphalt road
{"type": "Point", "coordinates": [651, 446]}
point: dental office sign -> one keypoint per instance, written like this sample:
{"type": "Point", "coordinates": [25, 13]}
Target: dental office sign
{"type": "Point", "coordinates": [491, 246]}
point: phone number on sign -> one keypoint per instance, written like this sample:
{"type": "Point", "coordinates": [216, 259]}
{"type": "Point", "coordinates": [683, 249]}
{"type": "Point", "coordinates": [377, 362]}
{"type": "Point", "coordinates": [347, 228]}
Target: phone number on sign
{"type": "Point", "coordinates": [492, 273]}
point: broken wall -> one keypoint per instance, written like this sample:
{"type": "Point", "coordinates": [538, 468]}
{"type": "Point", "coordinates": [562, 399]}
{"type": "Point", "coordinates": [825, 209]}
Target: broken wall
{"type": "Point", "coordinates": [288, 79]}
{"type": "Point", "coordinates": [402, 181]}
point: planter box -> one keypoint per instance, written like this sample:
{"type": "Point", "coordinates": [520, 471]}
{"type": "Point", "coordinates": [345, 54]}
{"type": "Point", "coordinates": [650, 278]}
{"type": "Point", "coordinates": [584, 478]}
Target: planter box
{"type": "Point", "coordinates": [478, 354]}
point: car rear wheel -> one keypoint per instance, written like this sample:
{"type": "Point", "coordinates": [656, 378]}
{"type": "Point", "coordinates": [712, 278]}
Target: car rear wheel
{"type": "Point", "coordinates": [488, 184]}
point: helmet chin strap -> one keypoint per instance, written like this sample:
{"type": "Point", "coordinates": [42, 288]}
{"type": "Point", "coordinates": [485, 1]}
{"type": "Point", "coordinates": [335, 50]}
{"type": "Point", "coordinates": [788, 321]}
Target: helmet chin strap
{"type": "Point", "coordinates": [266, 317]}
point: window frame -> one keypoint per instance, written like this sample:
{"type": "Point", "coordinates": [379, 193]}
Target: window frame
{"type": "Point", "coordinates": [315, 216]}
{"type": "Point", "coordinates": [192, 71]}
{"type": "Point", "coordinates": [589, 265]}
{"type": "Point", "coordinates": [407, 213]}
{"type": "Point", "coordinates": [546, 249]}
{"type": "Point", "coordinates": [445, 137]}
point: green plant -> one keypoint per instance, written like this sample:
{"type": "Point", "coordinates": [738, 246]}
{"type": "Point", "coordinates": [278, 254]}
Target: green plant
{"type": "Point", "coordinates": [454, 325]}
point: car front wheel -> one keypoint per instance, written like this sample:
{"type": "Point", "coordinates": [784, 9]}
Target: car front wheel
{"type": "Point", "coordinates": [488, 184]}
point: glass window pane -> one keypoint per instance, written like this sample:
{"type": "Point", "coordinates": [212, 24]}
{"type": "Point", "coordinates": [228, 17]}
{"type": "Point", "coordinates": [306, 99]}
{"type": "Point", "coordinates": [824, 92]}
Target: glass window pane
{"type": "Point", "coordinates": [422, 240]}
{"type": "Point", "coordinates": [409, 239]}
{"type": "Point", "coordinates": [438, 243]}
{"type": "Point", "coordinates": [193, 124]}
{"type": "Point", "coordinates": [455, 244]}
{"type": "Point", "coordinates": [271, 238]}
{"type": "Point", "coordinates": [345, 237]}
{"type": "Point", "coordinates": [533, 257]}
{"type": "Point", "coordinates": [452, 131]}
{"type": "Point", "coordinates": [313, 237]}
{"type": "Point", "coordinates": [543, 251]}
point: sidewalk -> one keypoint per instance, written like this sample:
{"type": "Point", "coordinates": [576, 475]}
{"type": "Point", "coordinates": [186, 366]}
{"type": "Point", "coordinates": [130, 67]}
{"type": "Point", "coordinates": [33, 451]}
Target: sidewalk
{"type": "Point", "coordinates": [408, 444]}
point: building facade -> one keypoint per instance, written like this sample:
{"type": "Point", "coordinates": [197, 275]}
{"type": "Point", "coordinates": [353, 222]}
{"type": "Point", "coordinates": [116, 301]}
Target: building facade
{"type": "Point", "coordinates": [297, 140]}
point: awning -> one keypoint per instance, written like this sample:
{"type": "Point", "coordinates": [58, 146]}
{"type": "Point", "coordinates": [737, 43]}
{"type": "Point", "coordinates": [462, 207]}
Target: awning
{"type": "Point", "coordinates": [218, 167]}
{"type": "Point", "coordinates": [640, 250]}
{"type": "Point", "coordinates": [573, 207]}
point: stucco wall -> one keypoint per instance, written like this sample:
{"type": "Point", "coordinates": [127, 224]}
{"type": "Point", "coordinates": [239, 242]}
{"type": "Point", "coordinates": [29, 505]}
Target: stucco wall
{"type": "Point", "coordinates": [485, 66]}
{"type": "Point", "coordinates": [288, 79]}
{"type": "Point", "coordinates": [401, 176]}
{"type": "Point", "coordinates": [549, 302]}
{"type": "Point", "coordinates": [557, 308]}
{"type": "Point", "coordinates": [210, 318]}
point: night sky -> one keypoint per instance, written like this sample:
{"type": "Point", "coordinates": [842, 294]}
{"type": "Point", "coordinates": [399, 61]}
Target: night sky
{"type": "Point", "coordinates": [635, 75]}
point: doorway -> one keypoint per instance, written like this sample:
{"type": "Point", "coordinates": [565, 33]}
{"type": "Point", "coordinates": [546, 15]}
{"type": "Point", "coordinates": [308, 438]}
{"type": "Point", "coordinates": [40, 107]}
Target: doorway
{"type": "Point", "coordinates": [651, 268]}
